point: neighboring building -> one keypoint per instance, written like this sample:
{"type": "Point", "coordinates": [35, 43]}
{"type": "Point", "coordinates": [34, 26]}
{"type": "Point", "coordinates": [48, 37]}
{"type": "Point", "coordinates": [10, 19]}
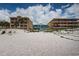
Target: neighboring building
{"type": "Point", "coordinates": [21, 23]}
{"type": "Point", "coordinates": [63, 23]}
{"type": "Point", "coordinates": [40, 27]}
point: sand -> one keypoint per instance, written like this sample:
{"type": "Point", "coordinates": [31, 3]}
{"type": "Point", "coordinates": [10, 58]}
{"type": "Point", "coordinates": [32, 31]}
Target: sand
{"type": "Point", "coordinates": [23, 43]}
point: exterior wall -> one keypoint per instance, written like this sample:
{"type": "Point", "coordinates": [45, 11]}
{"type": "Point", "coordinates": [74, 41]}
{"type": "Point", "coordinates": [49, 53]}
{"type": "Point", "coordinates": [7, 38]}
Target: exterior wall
{"type": "Point", "coordinates": [30, 25]}
{"type": "Point", "coordinates": [13, 21]}
{"type": "Point", "coordinates": [20, 23]}
{"type": "Point", "coordinates": [61, 23]}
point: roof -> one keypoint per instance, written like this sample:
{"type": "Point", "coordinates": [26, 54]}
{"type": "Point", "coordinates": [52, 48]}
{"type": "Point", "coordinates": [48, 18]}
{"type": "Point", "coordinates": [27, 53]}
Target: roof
{"type": "Point", "coordinates": [19, 17]}
{"type": "Point", "coordinates": [63, 19]}
{"type": "Point", "coordinates": [15, 17]}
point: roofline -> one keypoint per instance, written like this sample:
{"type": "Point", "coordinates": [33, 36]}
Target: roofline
{"type": "Point", "coordinates": [65, 18]}
{"type": "Point", "coordinates": [20, 16]}
{"type": "Point", "coordinates": [62, 19]}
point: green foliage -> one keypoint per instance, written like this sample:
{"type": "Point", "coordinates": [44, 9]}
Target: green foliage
{"type": "Point", "coordinates": [4, 24]}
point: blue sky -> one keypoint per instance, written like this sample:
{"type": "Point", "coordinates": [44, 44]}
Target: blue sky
{"type": "Point", "coordinates": [39, 12]}
{"type": "Point", "coordinates": [13, 6]}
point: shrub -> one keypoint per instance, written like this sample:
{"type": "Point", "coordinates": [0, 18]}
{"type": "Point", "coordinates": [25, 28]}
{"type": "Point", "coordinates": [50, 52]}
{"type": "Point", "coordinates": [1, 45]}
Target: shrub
{"type": "Point", "coordinates": [10, 32]}
{"type": "Point", "coordinates": [3, 32]}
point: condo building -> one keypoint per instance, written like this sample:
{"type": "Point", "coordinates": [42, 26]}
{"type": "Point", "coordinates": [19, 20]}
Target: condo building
{"type": "Point", "coordinates": [63, 23]}
{"type": "Point", "coordinates": [21, 23]}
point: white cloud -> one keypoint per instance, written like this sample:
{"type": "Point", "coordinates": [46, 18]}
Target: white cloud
{"type": "Point", "coordinates": [4, 15]}
{"type": "Point", "coordinates": [72, 12]}
{"type": "Point", "coordinates": [41, 14]}
{"type": "Point", "coordinates": [65, 6]}
{"type": "Point", "coordinates": [59, 11]}
{"type": "Point", "coordinates": [38, 14]}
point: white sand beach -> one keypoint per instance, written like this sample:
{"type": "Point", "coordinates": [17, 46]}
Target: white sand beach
{"type": "Point", "coordinates": [23, 43]}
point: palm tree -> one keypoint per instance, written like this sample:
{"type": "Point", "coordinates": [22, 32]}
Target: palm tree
{"type": "Point", "coordinates": [6, 24]}
{"type": "Point", "coordinates": [2, 24]}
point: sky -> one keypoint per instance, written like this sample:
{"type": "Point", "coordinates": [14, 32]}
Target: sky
{"type": "Point", "coordinates": [39, 13]}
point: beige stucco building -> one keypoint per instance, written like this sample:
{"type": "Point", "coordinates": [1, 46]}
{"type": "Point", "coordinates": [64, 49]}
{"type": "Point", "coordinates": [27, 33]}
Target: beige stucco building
{"type": "Point", "coordinates": [63, 23]}
{"type": "Point", "coordinates": [21, 23]}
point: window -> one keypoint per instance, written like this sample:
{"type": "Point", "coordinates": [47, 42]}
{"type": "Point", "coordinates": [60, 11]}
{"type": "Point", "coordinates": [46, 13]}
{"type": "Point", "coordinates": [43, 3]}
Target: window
{"type": "Point", "coordinates": [21, 25]}
{"type": "Point", "coordinates": [12, 26]}
{"type": "Point", "coordinates": [25, 25]}
{"type": "Point", "coordinates": [25, 21]}
{"type": "Point", "coordinates": [12, 22]}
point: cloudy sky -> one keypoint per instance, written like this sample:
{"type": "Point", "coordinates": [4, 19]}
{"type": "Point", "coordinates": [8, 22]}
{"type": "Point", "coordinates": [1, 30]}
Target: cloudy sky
{"type": "Point", "coordinates": [39, 13]}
